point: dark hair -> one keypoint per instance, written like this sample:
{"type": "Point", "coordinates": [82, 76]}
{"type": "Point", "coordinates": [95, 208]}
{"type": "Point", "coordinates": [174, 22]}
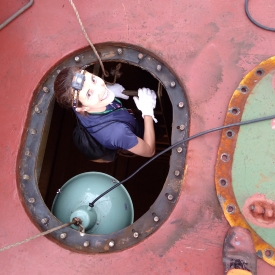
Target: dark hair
{"type": "Point", "coordinates": [63, 87]}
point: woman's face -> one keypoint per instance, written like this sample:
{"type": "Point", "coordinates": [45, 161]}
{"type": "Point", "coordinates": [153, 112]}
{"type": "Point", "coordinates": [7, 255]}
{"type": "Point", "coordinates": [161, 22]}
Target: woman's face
{"type": "Point", "coordinates": [94, 95]}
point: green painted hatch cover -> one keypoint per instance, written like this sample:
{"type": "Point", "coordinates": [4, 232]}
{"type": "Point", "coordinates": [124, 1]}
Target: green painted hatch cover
{"type": "Point", "coordinates": [245, 167]}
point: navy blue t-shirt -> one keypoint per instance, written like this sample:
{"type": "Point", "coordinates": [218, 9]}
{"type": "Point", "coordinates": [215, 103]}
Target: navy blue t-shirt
{"type": "Point", "coordinates": [115, 128]}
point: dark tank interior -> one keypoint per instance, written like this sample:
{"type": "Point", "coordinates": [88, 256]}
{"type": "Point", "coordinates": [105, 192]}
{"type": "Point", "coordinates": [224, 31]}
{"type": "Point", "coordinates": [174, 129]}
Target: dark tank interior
{"type": "Point", "coordinates": [62, 160]}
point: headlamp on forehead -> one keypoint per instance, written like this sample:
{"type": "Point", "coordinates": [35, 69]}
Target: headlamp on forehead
{"type": "Point", "coordinates": [77, 85]}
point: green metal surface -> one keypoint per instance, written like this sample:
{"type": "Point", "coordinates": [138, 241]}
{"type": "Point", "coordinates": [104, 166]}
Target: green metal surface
{"type": "Point", "coordinates": [114, 211]}
{"type": "Point", "coordinates": [253, 169]}
{"type": "Point", "coordinates": [87, 215]}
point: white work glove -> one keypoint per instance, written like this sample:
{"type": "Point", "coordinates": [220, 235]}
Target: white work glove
{"type": "Point", "coordinates": [146, 102]}
{"type": "Point", "coordinates": [117, 89]}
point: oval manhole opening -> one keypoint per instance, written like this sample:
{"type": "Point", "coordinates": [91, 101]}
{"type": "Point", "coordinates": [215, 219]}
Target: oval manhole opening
{"type": "Point", "coordinates": [49, 157]}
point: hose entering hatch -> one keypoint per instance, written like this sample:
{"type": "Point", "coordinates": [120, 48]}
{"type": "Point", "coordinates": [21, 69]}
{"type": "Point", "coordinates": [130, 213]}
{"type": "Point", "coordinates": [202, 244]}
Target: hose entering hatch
{"type": "Point", "coordinates": [178, 143]}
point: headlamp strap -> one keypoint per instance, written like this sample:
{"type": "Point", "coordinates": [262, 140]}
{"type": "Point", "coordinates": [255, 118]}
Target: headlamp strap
{"type": "Point", "coordinates": [77, 85]}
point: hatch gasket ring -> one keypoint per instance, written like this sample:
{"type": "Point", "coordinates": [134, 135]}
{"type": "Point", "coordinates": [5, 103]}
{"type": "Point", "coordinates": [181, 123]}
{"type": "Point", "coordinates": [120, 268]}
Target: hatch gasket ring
{"type": "Point", "coordinates": [161, 208]}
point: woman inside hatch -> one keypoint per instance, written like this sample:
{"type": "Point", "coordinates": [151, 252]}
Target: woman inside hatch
{"type": "Point", "coordinates": [96, 104]}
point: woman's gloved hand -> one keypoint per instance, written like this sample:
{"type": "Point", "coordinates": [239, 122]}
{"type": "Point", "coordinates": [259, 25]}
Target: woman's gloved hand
{"type": "Point", "coordinates": [146, 102]}
{"type": "Point", "coordinates": [117, 89]}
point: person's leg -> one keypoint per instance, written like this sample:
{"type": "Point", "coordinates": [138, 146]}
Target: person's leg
{"type": "Point", "coordinates": [239, 255]}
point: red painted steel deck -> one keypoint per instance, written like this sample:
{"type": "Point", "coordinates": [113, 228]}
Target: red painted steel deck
{"type": "Point", "coordinates": [209, 44]}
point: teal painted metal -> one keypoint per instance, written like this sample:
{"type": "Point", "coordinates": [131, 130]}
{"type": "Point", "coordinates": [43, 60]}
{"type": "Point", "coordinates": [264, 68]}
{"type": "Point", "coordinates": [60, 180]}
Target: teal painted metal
{"type": "Point", "coordinates": [253, 163]}
{"type": "Point", "coordinates": [113, 212]}
{"type": "Point", "coordinates": [87, 215]}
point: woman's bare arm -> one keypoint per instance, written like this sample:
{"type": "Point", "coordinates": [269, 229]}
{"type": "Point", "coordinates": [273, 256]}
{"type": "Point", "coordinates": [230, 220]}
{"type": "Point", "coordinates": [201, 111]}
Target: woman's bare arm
{"type": "Point", "coordinates": [146, 146]}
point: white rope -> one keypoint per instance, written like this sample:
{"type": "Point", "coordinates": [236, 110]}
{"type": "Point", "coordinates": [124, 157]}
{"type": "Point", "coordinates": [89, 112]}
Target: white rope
{"type": "Point", "coordinates": [86, 35]}
{"type": "Point", "coordinates": [35, 236]}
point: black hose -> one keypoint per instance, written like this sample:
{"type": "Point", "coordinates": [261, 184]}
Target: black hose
{"type": "Point", "coordinates": [253, 20]}
{"type": "Point", "coordinates": [178, 143]}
